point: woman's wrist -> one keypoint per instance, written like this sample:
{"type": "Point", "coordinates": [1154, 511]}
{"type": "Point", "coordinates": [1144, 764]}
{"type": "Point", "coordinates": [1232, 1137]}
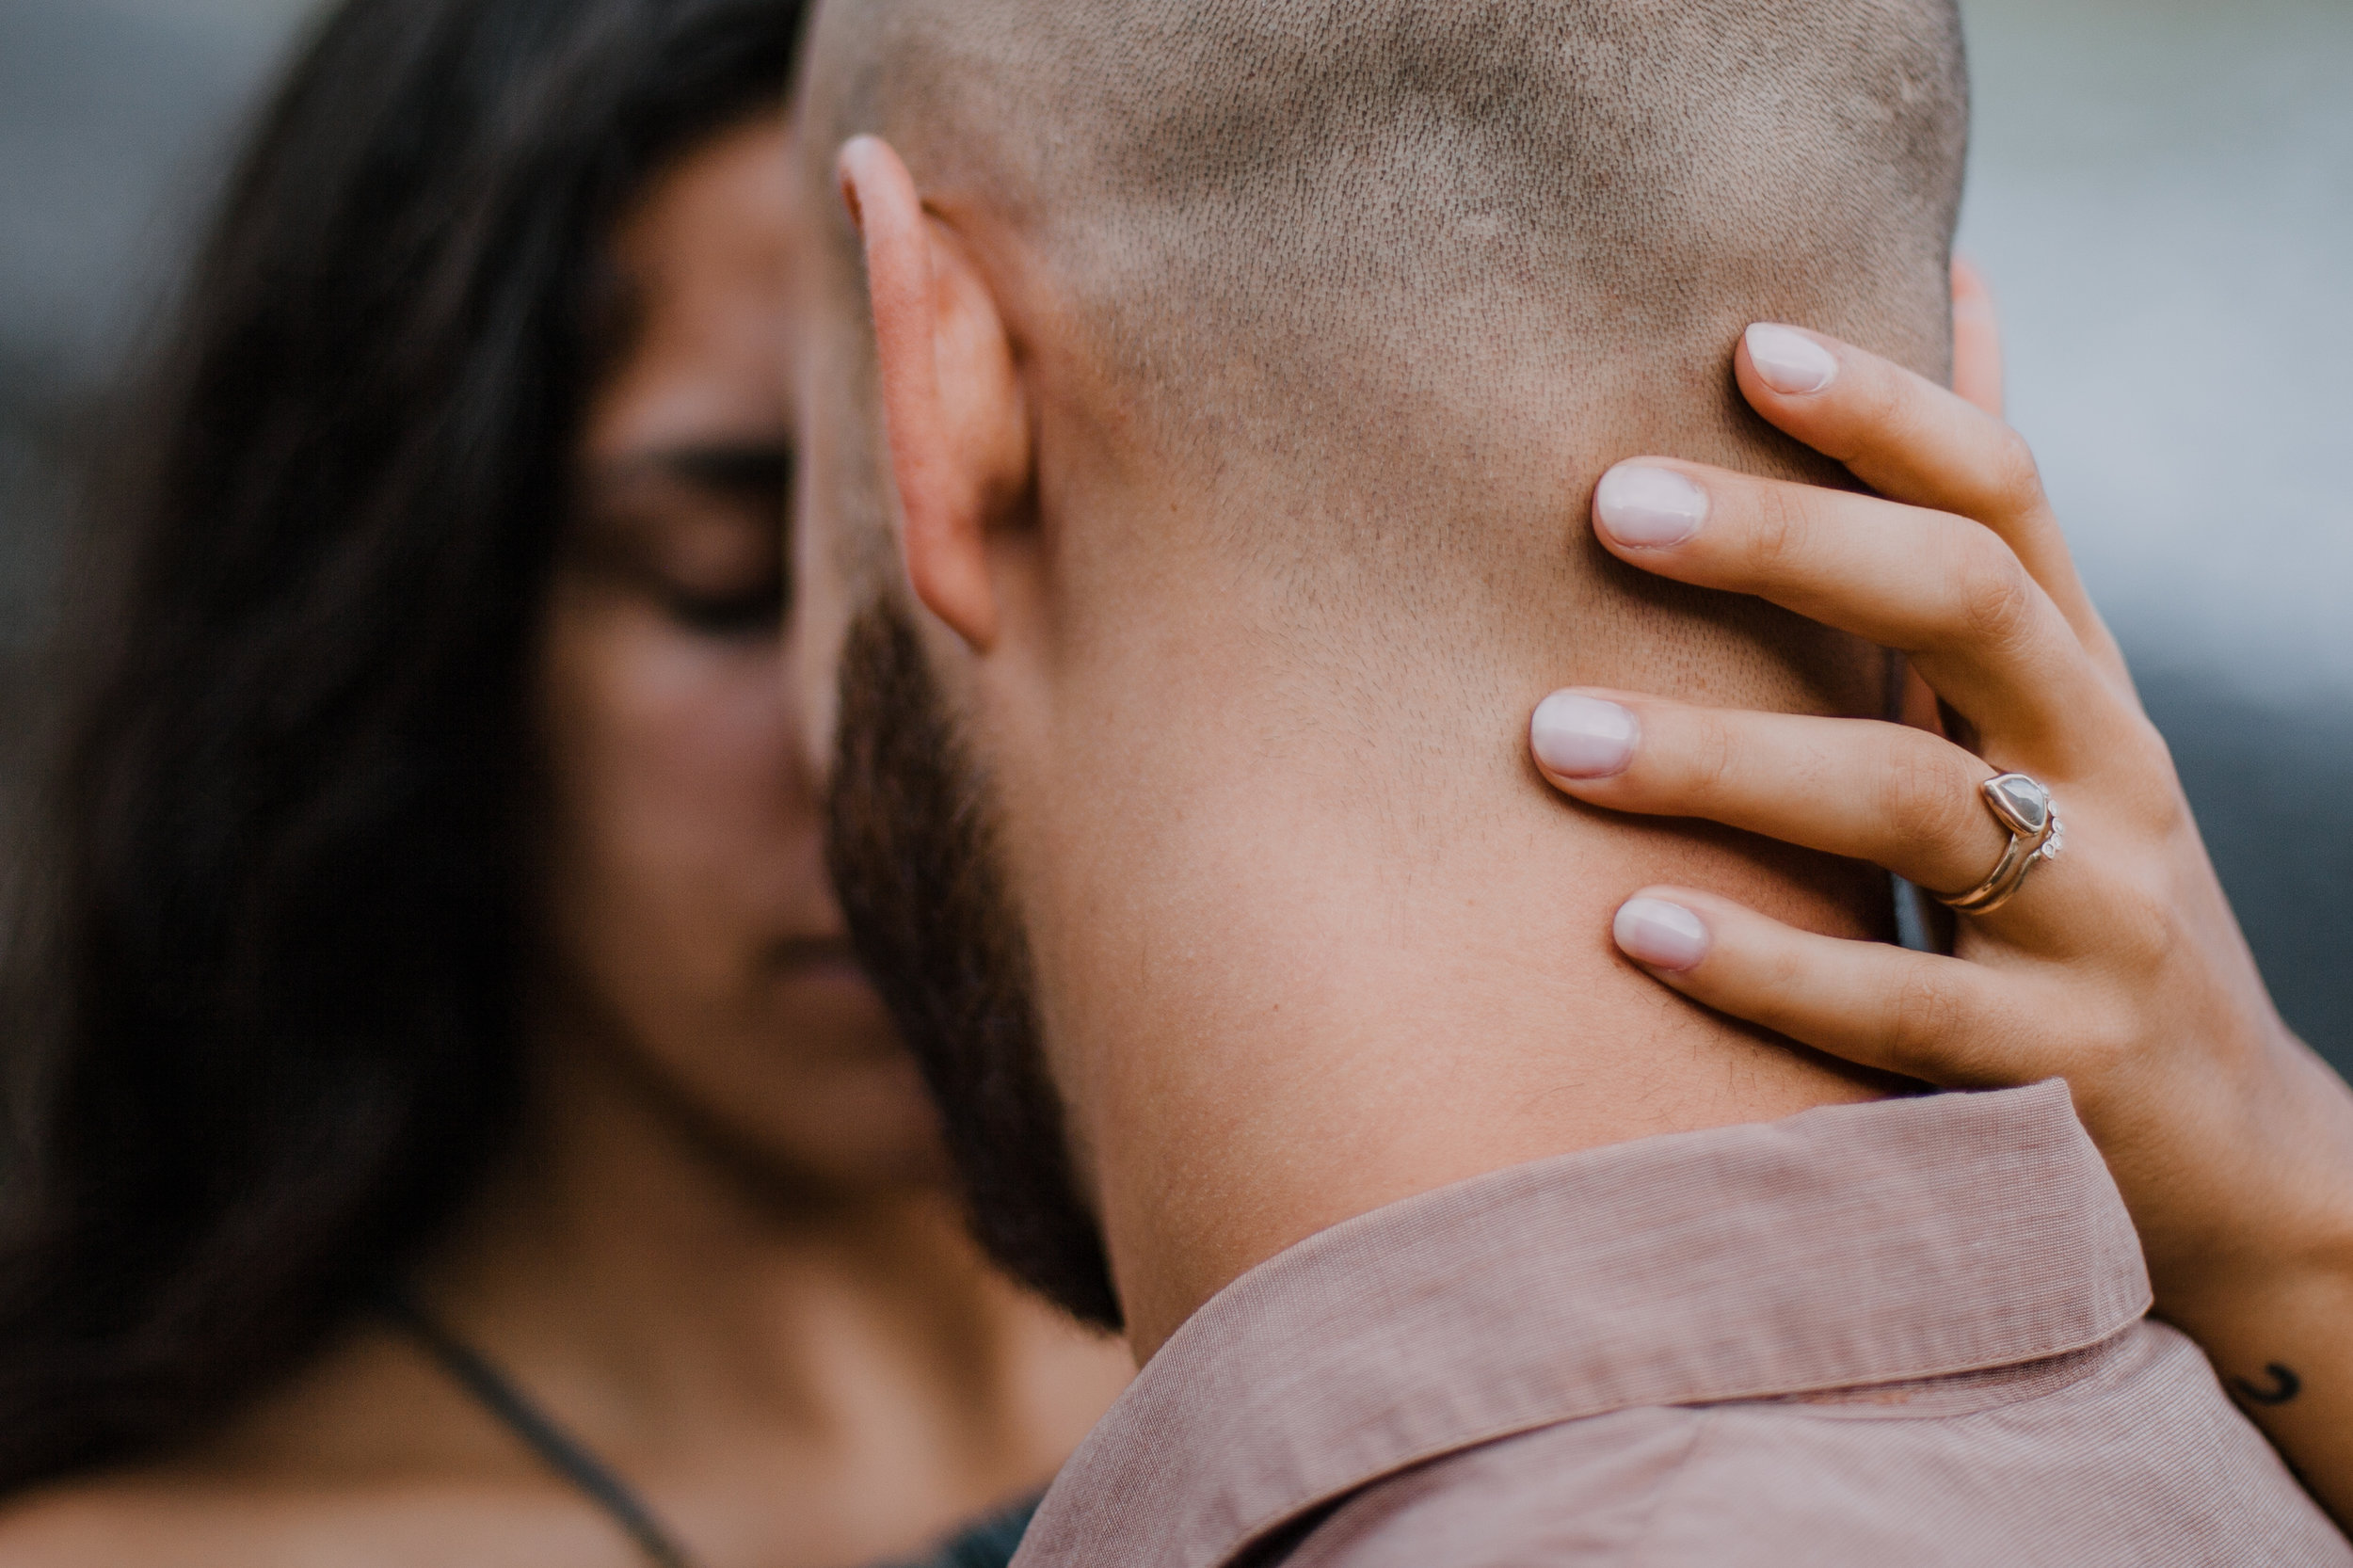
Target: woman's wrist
{"type": "Point", "coordinates": [2251, 1195]}
{"type": "Point", "coordinates": [2269, 1292]}
{"type": "Point", "coordinates": [2283, 1347]}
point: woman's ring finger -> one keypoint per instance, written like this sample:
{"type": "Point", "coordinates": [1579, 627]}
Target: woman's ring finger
{"type": "Point", "coordinates": [1895, 797]}
{"type": "Point", "coordinates": [2025, 809]}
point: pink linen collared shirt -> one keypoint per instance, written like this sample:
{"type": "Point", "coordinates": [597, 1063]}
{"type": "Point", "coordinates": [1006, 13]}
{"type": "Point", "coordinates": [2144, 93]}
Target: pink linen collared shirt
{"type": "Point", "coordinates": [1908, 1333]}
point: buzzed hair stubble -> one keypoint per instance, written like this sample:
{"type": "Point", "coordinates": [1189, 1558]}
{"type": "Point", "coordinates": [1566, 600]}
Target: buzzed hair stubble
{"type": "Point", "coordinates": [1318, 240]}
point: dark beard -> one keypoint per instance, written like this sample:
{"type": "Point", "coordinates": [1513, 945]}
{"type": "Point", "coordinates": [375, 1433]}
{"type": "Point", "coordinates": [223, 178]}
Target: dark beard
{"type": "Point", "coordinates": [910, 842]}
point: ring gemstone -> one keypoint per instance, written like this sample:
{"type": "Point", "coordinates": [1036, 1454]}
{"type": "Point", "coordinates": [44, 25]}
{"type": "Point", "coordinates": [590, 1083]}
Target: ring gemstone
{"type": "Point", "coordinates": [2020, 801]}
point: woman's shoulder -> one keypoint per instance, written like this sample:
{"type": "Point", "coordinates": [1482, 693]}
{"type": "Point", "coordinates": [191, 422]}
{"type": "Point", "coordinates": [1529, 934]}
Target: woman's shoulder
{"type": "Point", "coordinates": [65, 1527]}
{"type": "Point", "coordinates": [161, 1520]}
{"type": "Point", "coordinates": [368, 1460]}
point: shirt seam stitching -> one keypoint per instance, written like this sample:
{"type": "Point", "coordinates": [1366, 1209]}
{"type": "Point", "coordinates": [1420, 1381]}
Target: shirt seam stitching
{"type": "Point", "coordinates": [1645, 1546]}
{"type": "Point", "coordinates": [1243, 1540]}
{"type": "Point", "coordinates": [2094, 1366]}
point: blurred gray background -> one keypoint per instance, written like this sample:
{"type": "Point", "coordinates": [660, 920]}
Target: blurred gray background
{"type": "Point", "coordinates": [2162, 193]}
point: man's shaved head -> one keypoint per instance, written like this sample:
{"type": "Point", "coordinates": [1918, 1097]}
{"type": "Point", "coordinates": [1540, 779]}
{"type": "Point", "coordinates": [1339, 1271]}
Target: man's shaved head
{"type": "Point", "coordinates": [1372, 290]}
{"type": "Point", "coordinates": [1307, 235]}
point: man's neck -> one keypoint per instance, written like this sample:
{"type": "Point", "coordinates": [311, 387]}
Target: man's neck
{"type": "Point", "coordinates": [1298, 962]}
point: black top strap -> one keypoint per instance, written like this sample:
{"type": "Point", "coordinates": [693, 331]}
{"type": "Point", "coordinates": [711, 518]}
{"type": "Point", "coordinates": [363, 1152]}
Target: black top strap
{"type": "Point", "coordinates": [539, 1431]}
{"type": "Point", "coordinates": [991, 1545]}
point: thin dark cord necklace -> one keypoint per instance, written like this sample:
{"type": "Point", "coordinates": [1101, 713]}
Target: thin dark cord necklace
{"type": "Point", "coordinates": [538, 1431]}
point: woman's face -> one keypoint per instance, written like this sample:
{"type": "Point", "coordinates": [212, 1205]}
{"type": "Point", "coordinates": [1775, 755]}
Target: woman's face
{"type": "Point", "coordinates": [697, 943]}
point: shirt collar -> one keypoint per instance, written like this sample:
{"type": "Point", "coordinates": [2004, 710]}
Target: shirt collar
{"type": "Point", "coordinates": [1847, 1246]}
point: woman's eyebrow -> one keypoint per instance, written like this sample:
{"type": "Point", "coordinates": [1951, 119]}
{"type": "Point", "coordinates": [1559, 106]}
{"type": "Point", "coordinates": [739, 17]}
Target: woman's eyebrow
{"type": "Point", "coordinates": [733, 467]}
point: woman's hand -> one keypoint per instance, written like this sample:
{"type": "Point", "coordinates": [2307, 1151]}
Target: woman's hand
{"type": "Point", "coordinates": [2118, 965]}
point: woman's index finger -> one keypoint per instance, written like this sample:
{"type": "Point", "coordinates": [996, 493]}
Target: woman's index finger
{"type": "Point", "coordinates": [1914, 441]}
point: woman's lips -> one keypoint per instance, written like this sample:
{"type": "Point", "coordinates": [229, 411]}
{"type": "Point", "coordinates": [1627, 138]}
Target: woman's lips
{"type": "Point", "coordinates": [827, 1003]}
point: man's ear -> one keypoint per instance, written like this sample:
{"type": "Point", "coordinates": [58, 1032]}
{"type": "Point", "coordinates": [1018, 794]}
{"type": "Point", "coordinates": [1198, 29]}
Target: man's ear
{"type": "Point", "coordinates": [1976, 339]}
{"type": "Point", "coordinates": [952, 403]}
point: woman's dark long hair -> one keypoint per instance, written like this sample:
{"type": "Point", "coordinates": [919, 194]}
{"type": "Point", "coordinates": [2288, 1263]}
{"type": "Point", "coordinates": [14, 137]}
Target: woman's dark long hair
{"type": "Point", "coordinates": [264, 1032]}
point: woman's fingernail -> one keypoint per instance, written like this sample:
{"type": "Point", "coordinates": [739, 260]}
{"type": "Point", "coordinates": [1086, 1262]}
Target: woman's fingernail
{"type": "Point", "coordinates": [1583, 737]}
{"type": "Point", "coordinates": [1789, 361]}
{"type": "Point", "coordinates": [1649, 507]}
{"type": "Point", "coordinates": [1664, 936]}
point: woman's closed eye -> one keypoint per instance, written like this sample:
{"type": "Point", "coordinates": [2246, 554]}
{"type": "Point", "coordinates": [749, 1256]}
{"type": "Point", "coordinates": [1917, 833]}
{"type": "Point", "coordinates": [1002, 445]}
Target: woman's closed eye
{"type": "Point", "coordinates": [701, 533]}
{"type": "Point", "coordinates": [756, 610]}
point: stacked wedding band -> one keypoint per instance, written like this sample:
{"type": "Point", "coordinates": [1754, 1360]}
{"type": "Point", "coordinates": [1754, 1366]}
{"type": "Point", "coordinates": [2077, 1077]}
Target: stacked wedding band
{"type": "Point", "coordinates": [2023, 806]}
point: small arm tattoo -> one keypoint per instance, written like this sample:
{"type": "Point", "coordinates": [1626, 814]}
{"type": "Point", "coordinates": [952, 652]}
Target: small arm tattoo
{"type": "Point", "coordinates": [2285, 1386]}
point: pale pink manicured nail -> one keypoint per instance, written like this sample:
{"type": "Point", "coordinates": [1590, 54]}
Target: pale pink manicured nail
{"type": "Point", "coordinates": [1649, 507]}
{"type": "Point", "coordinates": [1789, 361]}
{"type": "Point", "coordinates": [1583, 737]}
{"type": "Point", "coordinates": [1664, 936]}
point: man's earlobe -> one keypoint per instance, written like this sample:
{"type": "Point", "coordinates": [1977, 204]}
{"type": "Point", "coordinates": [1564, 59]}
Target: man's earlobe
{"type": "Point", "coordinates": [1976, 339]}
{"type": "Point", "coordinates": [952, 403]}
